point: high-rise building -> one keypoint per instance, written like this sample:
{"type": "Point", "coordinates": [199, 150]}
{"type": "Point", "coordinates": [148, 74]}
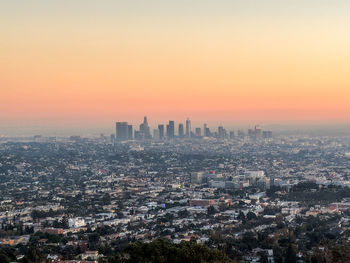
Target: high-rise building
{"type": "Point", "coordinates": [222, 134]}
{"type": "Point", "coordinates": [181, 130]}
{"type": "Point", "coordinates": [144, 129]}
{"type": "Point", "coordinates": [232, 135]}
{"type": "Point", "coordinates": [258, 132]}
{"type": "Point", "coordinates": [130, 133]}
{"type": "Point", "coordinates": [205, 130]}
{"type": "Point", "coordinates": [251, 133]}
{"type": "Point", "coordinates": [267, 134]}
{"type": "Point", "coordinates": [137, 135]}
{"type": "Point", "coordinates": [255, 133]}
{"type": "Point", "coordinates": [198, 132]}
{"type": "Point", "coordinates": [156, 134]}
{"type": "Point", "coordinates": [121, 131]}
{"type": "Point", "coordinates": [170, 130]}
{"type": "Point", "coordinates": [198, 177]}
{"type": "Point", "coordinates": [161, 131]}
{"type": "Point", "coordinates": [188, 128]}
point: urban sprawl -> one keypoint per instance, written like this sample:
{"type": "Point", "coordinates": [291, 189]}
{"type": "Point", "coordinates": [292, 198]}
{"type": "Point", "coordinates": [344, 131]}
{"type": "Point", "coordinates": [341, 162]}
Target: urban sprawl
{"type": "Point", "coordinates": [252, 195]}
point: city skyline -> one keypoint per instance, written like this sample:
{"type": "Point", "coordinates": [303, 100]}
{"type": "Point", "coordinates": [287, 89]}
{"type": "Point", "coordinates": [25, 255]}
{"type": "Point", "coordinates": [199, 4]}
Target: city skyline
{"type": "Point", "coordinates": [91, 129]}
{"type": "Point", "coordinates": [176, 131]}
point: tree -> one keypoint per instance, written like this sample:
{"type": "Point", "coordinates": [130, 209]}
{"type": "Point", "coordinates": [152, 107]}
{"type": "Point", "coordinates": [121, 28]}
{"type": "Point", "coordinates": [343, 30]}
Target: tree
{"type": "Point", "coordinates": [290, 255]}
{"type": "Point", "coordinates": [163, 251]}
{"type": "Point", "coordinates": [251, 215]}
{"type": "Point", "coordinates": [93, 240]}
{"type": "Point", "coordinates": [211, 210]}
{"type": "Point", "coordinates": [4, 258]}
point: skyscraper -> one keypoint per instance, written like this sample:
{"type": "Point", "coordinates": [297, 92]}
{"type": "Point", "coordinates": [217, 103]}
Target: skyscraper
{"type": "Point", "coordinates": [222, 133]}
{"type": "Point", "coordinates": [198, 132]}
{"type": "Point", "coordinates": [181, 130]}
{"type": "Point", "coordinates": [267, 134]}
{"type": "Point", "coordinates": [130, 133]}
{"type": "Point", "coordinates": [258, 132]}
{"type": "Point", "coordinates": [170, 130]}
{"type": "Point", "coordinates": [161, 131]}
{"type": "Point", "coordinates": [156, 134]}
{"type": "Point", "coordinates": [121, 131]}
{"type": "Point", "coordinates": [188, 128]}
{"type": "Point", "coordinates": [144, 129]}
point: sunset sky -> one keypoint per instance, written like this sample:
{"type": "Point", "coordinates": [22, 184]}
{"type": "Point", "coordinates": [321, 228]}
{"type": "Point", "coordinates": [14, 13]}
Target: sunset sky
{"type": "Point", "coordinates": [85, 62]}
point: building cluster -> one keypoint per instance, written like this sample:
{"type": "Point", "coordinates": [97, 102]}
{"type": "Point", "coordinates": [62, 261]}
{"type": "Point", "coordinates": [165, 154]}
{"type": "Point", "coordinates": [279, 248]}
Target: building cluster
{"type": "Point", "coordinates": [125, 131]}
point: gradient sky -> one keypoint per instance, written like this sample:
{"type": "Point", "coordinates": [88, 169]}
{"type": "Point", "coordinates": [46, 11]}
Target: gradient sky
{"type": "Point", "coordinates": [95, 62]}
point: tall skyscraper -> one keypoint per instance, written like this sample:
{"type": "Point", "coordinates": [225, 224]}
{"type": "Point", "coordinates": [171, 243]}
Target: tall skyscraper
{"type": "Point", "coordinates": [188, 128]}
{"type": "Point", "coordinates": [121, 131]}
{"type": "Point", "coordinates": [156, 134]}
{"type": "Point", "coordinates": [258, 132]}
{"type": "Point", "coordinates": [144, 129]}
{"type": "Point", "coordinates": [255, 133]}
{"type": "Point", "coordinates": [130, 133]}
{"type": "Point", "coordinates": [205, 130]}
{"type": "Point", "coordinates": [161, 131]}
{"type": "Point", "coordinates": [181, 130]}
{"type": "Point", "coordinates": [222, 133]}
{"type": "Point", "coordinates": [170, 130]}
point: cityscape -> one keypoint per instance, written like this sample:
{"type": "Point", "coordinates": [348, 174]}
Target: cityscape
{"type": "Point", "coordinates": [174, 131]}
{"type": "Point", "coordinates": [249, 196]}
{"type": "Point", "coordinates": [125, 131]}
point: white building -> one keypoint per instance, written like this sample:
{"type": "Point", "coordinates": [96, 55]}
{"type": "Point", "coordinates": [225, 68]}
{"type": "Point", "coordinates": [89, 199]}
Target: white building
{"type": "Point", "coordinates": [76, 222]}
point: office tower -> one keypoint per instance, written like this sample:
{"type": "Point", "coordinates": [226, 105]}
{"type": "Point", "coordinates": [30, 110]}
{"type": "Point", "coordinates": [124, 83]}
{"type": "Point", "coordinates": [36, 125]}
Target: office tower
{"type": "Point", "coordinates": [205, 130]}
{"type": "Point", "coordinates": [198, 132]}
{"type": "Point", "coordinates": [130, 136]}
{"type": "Point", "coordinates": [121, 131]}
{"type": "Point", "coordinates": [181, 130]}
{"type": "Point", "coordinates": [170, 130]}
{"type": "Point", "coordinates": [267, 134]}
{"type": "Point", "coordinates": [232, 135]}
{"type": "Point", "coordinates": [144, 129]}
{"type": "Point", "coordinates": [137, 135]}
{"type": "Point", "coordinates": [220, 131]}
{"type": "Point", "coordinates": [188, 128]}
{"type": "Point", "coordinates": [255, 133]}
{"type": "Point", "coordinates": [197, 177]}
{"type": "Point", "coordinates": [156, 134]}
{"type": "Point", "coordinates": [258, 133]}
{"type": "Point", "coordinates": [251, 133]}
{"type": "Point", "coordinates": [161, 131]}
{"type": "Point", "coordinates": [222, 134]}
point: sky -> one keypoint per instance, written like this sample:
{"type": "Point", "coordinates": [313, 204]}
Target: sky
{"type": "Point", "coordinates": [88, 63]}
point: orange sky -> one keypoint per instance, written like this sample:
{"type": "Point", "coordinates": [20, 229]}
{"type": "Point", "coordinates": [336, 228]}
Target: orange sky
{"type": "Point", "coordinates": [208, 62]}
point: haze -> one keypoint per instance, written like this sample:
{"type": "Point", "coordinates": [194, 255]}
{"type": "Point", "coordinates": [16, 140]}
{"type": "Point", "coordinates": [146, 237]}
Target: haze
{"type": "Point", "coordinates": [86, 64]}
